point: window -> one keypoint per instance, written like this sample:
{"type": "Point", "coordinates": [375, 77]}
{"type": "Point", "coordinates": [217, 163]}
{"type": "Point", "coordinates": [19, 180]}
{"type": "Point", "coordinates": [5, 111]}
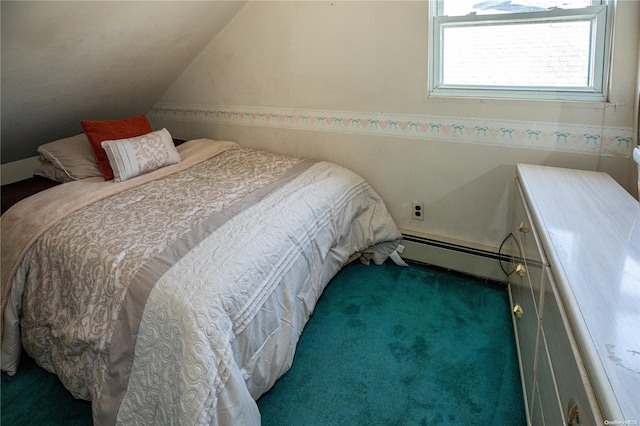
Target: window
{"type": "Point", "coordinates": [540, 49]}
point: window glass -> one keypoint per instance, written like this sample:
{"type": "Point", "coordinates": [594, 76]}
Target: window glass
{"type": "Point", "coordinates": [537, 54]}
{"type": "Point", "coordinates": [465, 7]}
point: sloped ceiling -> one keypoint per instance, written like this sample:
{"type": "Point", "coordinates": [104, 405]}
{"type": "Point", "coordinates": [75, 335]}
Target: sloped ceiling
{"type": "Point", "coordinates": [66, 61]}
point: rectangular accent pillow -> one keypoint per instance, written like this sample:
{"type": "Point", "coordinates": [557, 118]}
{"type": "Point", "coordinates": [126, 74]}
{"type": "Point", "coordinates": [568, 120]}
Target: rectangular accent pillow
{"type": "Point", "coordinates": [99, 131]}
{"type": "Point", "coordinates": [132, 157]}
{"type": "Point", "coordinates": [72, 158]}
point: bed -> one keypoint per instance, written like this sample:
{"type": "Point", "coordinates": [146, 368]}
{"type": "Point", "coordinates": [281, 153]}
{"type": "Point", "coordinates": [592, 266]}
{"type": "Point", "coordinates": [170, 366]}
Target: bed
{"type": "Point", "coordinates": [178, 295]}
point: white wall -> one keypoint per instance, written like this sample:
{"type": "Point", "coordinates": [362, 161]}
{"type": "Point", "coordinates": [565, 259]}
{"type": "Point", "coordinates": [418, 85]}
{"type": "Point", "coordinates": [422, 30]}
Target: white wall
{"type": "Point", "coordinates": [279, 67]}
{"type": "Point", "coordinates": [67, 61]}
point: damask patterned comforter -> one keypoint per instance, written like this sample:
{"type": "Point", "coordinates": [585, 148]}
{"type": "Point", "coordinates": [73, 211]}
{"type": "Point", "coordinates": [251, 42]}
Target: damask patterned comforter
{"type": "Point", "coordinates": [181, 297]}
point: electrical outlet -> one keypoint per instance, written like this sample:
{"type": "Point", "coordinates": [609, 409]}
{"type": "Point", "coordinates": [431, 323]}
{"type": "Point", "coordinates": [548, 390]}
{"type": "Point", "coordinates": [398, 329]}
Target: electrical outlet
{"type": "Point", "coordinates": [417, 210]}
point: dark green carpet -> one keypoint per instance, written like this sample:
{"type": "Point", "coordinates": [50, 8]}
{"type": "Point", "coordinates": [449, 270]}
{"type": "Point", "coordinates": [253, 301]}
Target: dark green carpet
{"type": "Point", "coordinates": [387, 345]}
{"type": "Point", "coordinates": [36, 397]}
{"type": "Point", "coordinates": [407, 346]}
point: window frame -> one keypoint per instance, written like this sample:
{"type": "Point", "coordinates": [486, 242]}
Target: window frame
{"type": "Point", "coordinates": [601, 15]}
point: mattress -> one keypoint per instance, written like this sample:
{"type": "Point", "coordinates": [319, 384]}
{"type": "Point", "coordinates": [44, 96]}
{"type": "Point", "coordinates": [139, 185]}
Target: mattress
{"type": "Point", "coordinates": [179, 296]}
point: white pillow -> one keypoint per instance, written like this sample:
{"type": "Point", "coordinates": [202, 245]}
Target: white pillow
{"type": "Point", "coordinates": [132, 157]}
{"type": "Point", "coordinates": [72, 157]}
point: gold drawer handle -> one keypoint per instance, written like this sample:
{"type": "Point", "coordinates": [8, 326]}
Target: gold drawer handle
{"type": "Point", "coordinates": [523, 227]}
{"type": "Point", "coordinates": [517, 311]}
{"type": "Point", "coordinates": [520, 270]}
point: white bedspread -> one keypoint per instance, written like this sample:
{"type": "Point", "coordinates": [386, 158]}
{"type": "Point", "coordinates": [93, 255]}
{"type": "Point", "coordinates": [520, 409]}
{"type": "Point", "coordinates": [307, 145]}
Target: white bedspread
{"type": "Point", "coordinates": [195, 324]}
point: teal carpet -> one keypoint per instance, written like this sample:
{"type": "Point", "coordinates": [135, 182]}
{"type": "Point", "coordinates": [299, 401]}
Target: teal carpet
{"type": "Point", "coordinates": [386, 346]}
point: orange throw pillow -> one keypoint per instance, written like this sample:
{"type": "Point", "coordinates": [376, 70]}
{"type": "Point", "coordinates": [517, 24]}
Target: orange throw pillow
{"type": "Point", "coordinates": [99, 131]}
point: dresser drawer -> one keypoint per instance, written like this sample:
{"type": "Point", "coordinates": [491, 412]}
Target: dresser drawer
{"type": "Point", "coordinates": [535, 413]}
{"type": "Point", "coordinates": [525, 325]}
{"type": "Point", "coordinates": [526, 232]}
{"type": "Point", "coordinates": [574, 388]}
{"type": "Point", "coordinates": [533, 272]}
{"type": "Point", "coordinates": [546, 383]}
{"type": "Point", "coordinates": [532, 259]}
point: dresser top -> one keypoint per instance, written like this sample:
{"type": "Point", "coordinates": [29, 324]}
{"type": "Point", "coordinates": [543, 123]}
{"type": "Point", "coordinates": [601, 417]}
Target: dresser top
{"type": "Point", "coordinates": [590, 229]}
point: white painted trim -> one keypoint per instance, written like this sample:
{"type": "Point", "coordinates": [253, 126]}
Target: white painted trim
{"type": "Point", "coordinates": [594, 91]}
{"type": "Point", "coordinates": [18, 170]}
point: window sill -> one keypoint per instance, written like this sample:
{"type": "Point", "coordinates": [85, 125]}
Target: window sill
{"type": "Point", "coordinates": [442, 98]}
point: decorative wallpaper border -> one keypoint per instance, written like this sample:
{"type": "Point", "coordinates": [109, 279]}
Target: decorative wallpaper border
{"type": "Point", "coordinates": [584, 139]}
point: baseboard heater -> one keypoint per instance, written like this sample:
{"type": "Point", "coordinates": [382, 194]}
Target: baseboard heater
{"type": "Point", "coordinates": [450, 246]}
{"type": "Point", "coordinates": [469, 260]}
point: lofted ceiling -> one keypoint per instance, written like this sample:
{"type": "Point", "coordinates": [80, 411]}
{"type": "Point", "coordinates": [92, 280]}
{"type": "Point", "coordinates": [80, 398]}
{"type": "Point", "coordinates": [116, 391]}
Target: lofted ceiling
{"type": "Point", "coordinates": [67, 61]}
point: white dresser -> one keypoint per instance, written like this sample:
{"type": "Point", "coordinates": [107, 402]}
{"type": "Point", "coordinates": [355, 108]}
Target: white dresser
{"type": "Point", "coordinates": [576, 297]}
